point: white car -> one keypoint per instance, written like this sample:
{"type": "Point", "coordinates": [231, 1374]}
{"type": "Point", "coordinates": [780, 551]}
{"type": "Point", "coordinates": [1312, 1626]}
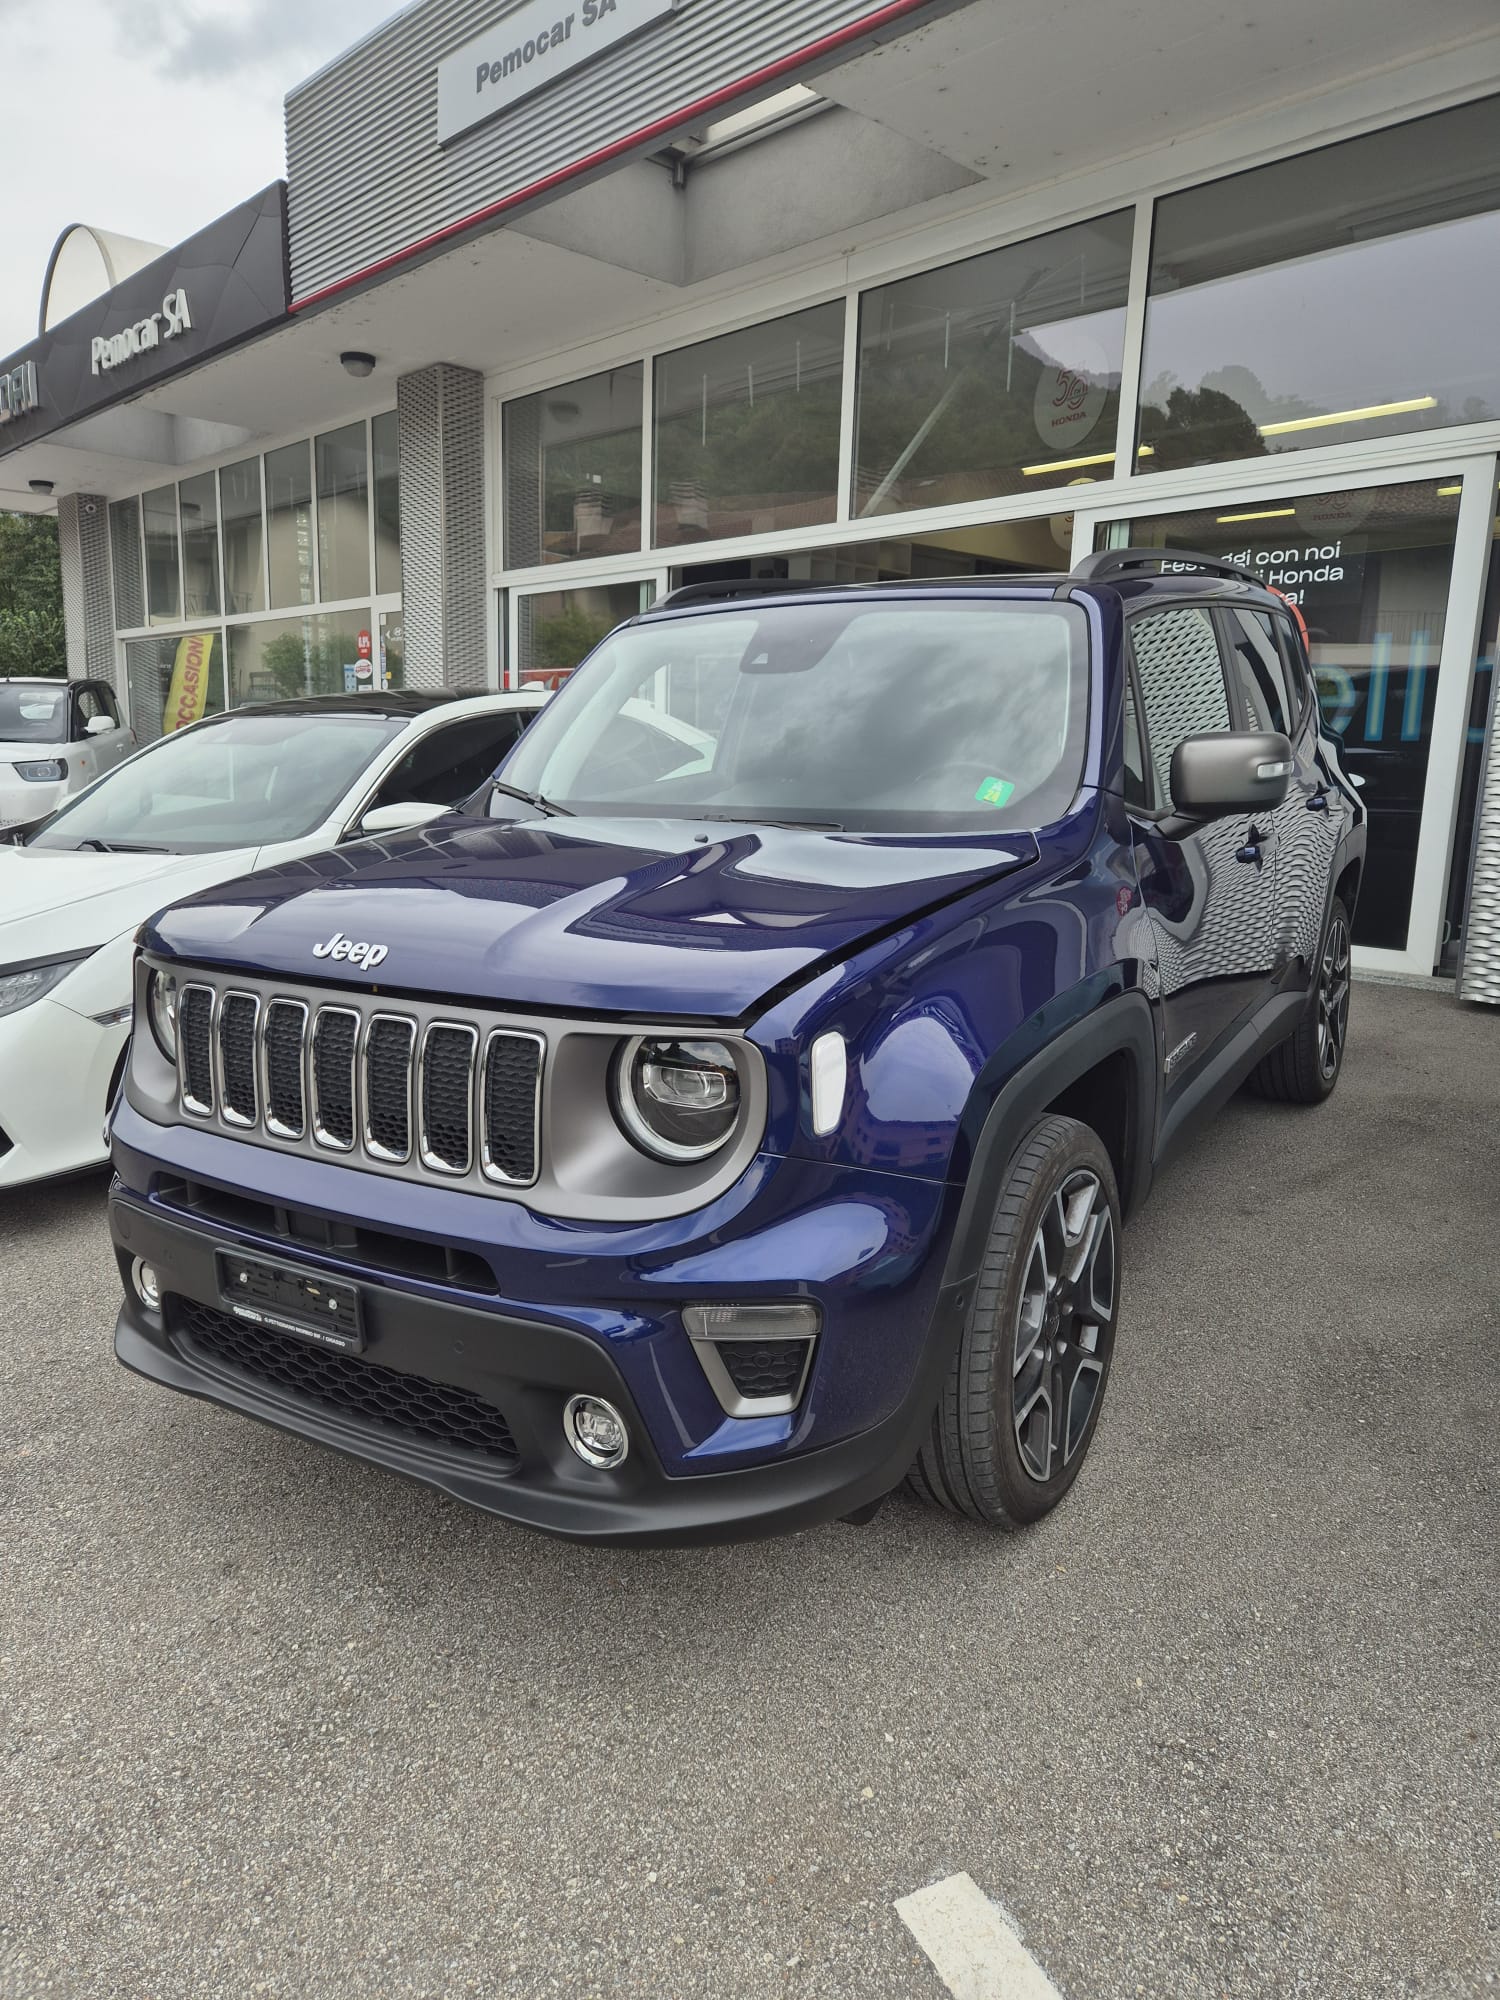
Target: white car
{"type": "Point", "coordinates": [56, 737]}
{"type": "Point", "coordinates": [248, 789]}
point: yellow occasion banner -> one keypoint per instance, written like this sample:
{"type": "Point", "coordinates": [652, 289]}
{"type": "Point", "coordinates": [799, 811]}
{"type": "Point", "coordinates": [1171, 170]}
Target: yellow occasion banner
{"type": "Point", "coordinates": [188, 695]}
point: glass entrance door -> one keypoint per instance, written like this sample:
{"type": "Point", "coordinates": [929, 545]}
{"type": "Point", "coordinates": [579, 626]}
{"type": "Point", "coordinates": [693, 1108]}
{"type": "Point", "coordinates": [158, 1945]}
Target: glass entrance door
{"type": "Point", "coordinates": [1370, 569]}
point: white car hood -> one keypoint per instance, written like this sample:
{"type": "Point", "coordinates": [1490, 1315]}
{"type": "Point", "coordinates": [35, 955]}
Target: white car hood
{"type": "Point", "coordinates": [55, 900]}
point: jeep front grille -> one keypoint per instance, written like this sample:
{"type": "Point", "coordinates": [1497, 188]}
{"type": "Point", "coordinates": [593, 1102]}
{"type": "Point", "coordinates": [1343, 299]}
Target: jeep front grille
{"type": "Point", "coordinates": [443, 1097]}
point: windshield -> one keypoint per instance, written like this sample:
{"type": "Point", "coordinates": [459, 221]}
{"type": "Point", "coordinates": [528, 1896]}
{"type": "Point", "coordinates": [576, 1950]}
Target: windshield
{"type": "Point", "coordinates": [244, 781]}
{"type": "Point", "coordinates": [917, 715]}
{"type": "Point", "coordinates": [33, 714]}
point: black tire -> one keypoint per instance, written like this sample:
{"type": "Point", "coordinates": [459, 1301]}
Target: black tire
{"type": "Point", "coordinates": [1305, 1067]}
{"type": "Point", "coordinates": [985, 1454]}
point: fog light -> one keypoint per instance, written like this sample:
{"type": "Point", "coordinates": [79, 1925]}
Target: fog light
{"type": "Point", "coordinates": [596, 1431]}
{"type": "Point", "coordinates": [147, 1286]}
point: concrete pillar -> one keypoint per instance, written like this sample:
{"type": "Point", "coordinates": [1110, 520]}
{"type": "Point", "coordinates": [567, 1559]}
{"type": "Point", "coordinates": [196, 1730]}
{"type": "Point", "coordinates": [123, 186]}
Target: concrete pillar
{"type": "Point", "coordinates": [83, 544]}
{"type": "Point", "coordinates": [444, 598]}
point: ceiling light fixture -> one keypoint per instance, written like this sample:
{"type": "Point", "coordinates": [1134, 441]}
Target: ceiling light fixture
{"type": "Point", "coordinates": [1069, 464]}
{"type": "Point", "coordinates": [41, 486]}
{"type": "Point", "coordinates": [354, 363]}
{"type": "Point", "coordinates": [1365, 416]}
{"type": "Point", "coordinates": [1261, 514]}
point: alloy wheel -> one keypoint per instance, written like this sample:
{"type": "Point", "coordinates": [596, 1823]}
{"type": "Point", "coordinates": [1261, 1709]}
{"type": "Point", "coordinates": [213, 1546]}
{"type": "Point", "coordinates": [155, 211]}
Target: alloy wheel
{"type": "Point", "coordinates": [1063, 1325]}
{"type": "Point", "coordinates": [1333, 999]}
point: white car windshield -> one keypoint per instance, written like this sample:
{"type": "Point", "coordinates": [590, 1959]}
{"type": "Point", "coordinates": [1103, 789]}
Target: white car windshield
{"type": "Point", "coordinates": [242, 780]}
{"type": "Point", "coordinates": [33, 714]}
{"type": "Point", "coordinates": [913, 714]}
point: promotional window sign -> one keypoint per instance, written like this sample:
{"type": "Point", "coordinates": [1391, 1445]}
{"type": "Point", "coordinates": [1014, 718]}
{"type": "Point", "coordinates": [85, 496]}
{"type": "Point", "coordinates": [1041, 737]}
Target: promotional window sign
{"type": "Point", "coordinates": [187, 697]}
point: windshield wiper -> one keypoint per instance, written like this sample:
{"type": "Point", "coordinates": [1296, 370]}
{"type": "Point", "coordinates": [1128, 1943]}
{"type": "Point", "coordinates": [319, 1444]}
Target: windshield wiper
{"type": "Point", "coordinates": [766, 819]}
{"type": "Point", "coordinates": [548, 806]}
{"type": "Point", "coordinates": [97, 846]}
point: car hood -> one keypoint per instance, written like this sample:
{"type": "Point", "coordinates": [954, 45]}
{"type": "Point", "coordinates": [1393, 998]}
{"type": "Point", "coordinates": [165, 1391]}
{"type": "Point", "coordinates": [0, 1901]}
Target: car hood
{"type": "Point", "coordinates": [602, 915]}
{"type": "Point", "coordinates": [55, 900]}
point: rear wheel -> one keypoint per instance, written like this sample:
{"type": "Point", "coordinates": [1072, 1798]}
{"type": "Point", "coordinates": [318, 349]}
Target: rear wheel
{"type": "Point", "coordinates": [1021, 1403]}
{"type": "Point", "coordinates": [1305, 1067]}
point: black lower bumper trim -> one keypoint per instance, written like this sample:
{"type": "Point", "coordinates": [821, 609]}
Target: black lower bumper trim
{"type": "Point", "coordinates": [542, 1366]}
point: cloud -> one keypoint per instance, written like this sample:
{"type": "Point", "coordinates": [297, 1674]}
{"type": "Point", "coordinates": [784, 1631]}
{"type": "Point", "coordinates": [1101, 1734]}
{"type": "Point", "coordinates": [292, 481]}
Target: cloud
{"type": "Point", "coordinates": [289, 37]}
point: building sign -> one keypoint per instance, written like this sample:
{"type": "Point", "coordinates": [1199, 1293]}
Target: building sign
{"type": "Point", "coordinates": [110, 349]}
{"type": "Point", "coordinates": [533, 46]}
{"type": "Point", "coordinates": [224, 285]}
{"type": "Point", "coordinates": [18, 392]}
{"type": "Point", "coordinates": [1308, 574]}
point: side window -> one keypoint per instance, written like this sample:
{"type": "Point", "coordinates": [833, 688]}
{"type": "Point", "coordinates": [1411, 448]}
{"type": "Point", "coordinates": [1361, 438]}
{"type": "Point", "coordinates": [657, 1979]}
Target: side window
{"type": "Point", "coordinates": [85, 708]}
{"type": "Point", "coordinates": [107, 703]}
{"type": "Point", "coordinates": [453, 761]}
{"type": "Point", "coordinates": [1295, 661]}
{"type": "Point", "coordinates": [1181, 675]}
{"type": "Point", "coordinates": [1260, 673]}
{"type": "Point", "coordinates": [1137, 789]}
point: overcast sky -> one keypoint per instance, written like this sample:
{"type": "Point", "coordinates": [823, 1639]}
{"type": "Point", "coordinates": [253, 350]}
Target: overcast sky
{"type": "Point", "coordinates": [150, 118]}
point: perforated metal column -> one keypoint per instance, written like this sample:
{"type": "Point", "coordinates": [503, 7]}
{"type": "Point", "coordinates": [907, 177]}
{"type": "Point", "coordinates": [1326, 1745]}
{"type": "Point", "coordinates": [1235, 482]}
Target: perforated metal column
{"type": "Point", "coordinates": [83, 543]}
{"type": "Point", "coordinates": [440, 434]}
{"type": "Point", "coordinates": [1479, 978]}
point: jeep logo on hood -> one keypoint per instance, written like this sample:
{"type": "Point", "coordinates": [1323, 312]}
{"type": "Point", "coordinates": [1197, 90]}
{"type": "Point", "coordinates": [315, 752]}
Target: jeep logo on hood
{"type": "Point", "coordinates": [338, 946]}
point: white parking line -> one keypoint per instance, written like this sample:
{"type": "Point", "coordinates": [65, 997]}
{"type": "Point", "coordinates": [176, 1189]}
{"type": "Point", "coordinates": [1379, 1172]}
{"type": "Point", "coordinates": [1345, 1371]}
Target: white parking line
{"type": "Point", "coordinates": [977, 1954]}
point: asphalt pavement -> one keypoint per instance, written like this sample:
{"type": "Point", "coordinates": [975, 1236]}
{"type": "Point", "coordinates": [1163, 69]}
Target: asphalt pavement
{"type": "Point", "coordinates": [1225, 1725]}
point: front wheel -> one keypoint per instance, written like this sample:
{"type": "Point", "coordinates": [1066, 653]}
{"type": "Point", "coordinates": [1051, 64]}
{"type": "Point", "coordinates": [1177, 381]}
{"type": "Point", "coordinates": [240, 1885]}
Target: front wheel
{"type": "Point", "coordinates": [1305, 1067]}
{"type": "Point", "coordinates": [1021, 1402]}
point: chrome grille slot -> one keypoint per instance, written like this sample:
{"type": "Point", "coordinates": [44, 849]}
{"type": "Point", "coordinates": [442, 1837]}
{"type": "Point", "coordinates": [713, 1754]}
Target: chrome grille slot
{"type": "Point", "coordinates": [416, 1089]}
{"type": "Point", "coordinates": [195, 1013]}
{"type": "Point", "coordinates": [388, 1051]}
{"type": "Point", "coordinates": [447, 1087]}
{"type": "Point", "coordinates": [238, 1015]}
{"type": "Point", "coordinates": [335, 1036]}
{"type": "Point", "coordinates": [511, 1108]}
{"type": "Point", "coordinates": [282, 1036]}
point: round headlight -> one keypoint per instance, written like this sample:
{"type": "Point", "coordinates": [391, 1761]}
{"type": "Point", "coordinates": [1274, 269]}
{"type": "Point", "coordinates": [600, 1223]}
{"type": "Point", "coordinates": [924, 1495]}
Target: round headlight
{"type": "Point", "coordinates": [161, 1011]}
{"type": "Point", "coordinates": [677, 1100]}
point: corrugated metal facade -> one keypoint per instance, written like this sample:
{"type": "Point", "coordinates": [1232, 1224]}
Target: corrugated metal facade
{"type": "Point", "coordinates": [1480, 976]}
{"type": "Point", "coordinates": [367, 177]}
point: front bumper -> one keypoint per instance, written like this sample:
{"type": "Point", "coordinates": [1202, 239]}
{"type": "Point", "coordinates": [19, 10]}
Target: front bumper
{"type": "Point", "coordinates": [55, 1072]}
{"type": "Point", "coordinates": [585, 1315]}
{"type": "Point", "coordinates": [21, 800]}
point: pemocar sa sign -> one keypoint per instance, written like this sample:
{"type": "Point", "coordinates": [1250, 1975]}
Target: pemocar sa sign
{"type": "Point", "coordinates": [533, 46]}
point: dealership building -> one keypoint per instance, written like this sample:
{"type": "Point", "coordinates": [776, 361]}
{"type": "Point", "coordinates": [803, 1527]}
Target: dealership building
{"type": "Point", "coordinates": [563, 302]}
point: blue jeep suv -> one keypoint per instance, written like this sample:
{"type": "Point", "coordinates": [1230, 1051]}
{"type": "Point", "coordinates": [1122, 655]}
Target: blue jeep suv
{"type": "Point", "coordinates": [730, 1113]}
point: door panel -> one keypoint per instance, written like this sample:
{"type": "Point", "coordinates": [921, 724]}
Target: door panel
{"type": "Point", "coordinates": [1210, 889]}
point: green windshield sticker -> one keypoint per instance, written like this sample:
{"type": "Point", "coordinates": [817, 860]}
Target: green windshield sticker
{"type": "Point", "coordinates": [995, 792]}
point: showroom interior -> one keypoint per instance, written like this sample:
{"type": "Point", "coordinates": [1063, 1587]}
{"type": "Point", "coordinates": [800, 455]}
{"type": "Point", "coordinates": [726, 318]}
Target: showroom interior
{"type": "Point", "coordinates": [853, 294]}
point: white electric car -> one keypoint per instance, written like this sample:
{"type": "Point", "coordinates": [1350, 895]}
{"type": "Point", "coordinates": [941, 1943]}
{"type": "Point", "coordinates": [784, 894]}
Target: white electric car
{"type": "Point", "coordinates": [56, 737]}
{"type": "Point", "coordinates": [248, 789]}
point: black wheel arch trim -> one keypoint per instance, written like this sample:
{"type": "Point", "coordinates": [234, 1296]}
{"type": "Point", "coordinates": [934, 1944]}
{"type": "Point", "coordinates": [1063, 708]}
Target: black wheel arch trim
{"type": "Point", "coordinates": [1123, 1025]}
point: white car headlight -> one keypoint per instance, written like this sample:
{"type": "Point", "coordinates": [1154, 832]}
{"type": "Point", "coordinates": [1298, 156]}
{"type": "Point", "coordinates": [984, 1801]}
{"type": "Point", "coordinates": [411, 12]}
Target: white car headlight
{"type": "Point", "coordinates": [21, 984]}
{"type": "Point", "coordinates": [46, 771]}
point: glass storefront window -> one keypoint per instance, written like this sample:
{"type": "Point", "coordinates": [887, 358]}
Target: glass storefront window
{"type": "Point", "coordinates": [573, 470]}
{"type": "Point", "coordinates": [992, 548]}
{"type": "Point", "coordinates": [279, 659]}
{"type": "Point", "coordinates": [343, 514]}
{"type": "Point", "coordinates": [997, 375]}
{"type": "Point", "coordinates": [556, 628]}
{"type": "Point", "coordinates": [387, 504]}
{"type": "Point", "coordinates": [198, 500]}
{"type": "Point", "coordinates": [289, 526]}
{"type": "Point", "coordinates": [244, 577]}
{"type": "Point", "coordinates": [163, 584]}
{"type": "Point", "coordinates": [1368, 569]}
{"type": "Point", "coordinates": [173, 681]}
{"type": "Point", "coordinates": [747, 430]}
{"type": "Point", "coordinates": [1344, 294]}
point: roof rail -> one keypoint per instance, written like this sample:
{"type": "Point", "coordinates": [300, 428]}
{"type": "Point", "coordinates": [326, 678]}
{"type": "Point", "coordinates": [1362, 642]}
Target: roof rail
{"type": "Point", "coordinates": [743, 586]}
{"type": "Point", "coordinates": [1105, 563]}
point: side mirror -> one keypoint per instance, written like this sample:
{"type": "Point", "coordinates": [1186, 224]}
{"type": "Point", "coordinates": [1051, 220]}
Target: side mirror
{"type": "Point", "coordinates": [399, 818]}
{"type": "Point", "coordinates": [99, 725]}
{"type": "Point", "coordinates": [1231, 771]}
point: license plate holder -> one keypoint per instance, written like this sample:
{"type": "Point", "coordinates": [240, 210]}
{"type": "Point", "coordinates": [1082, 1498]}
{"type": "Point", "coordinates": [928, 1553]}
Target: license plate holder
{"type": "Point", "coordinates": [283, 1298]}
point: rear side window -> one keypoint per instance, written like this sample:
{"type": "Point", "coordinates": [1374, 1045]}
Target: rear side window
{"type": "Point", "coordinates": [1260, 673]}
{"type": "Point", "coordinates": [1295, 661]}
{"type": "Point", "coordinates": [451, 762]}
{"type": "Point", "coordinates": [1181, 674]}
